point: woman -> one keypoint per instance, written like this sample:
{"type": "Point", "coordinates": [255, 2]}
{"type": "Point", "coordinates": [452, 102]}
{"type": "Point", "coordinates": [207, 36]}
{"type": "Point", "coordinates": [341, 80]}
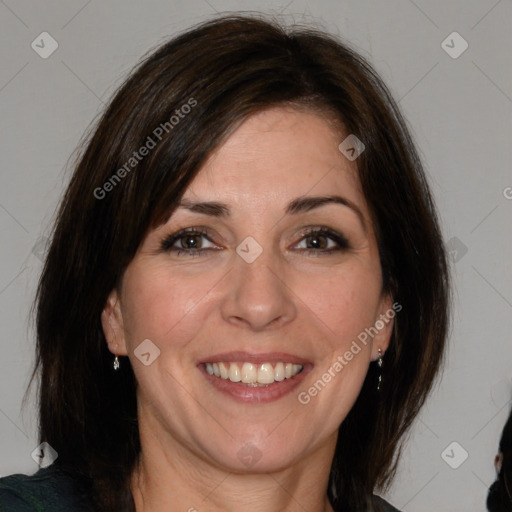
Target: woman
{"type": "Point", "coordinates": [245, 301]}
{"type": "Point", "coordinates": [499, 498]}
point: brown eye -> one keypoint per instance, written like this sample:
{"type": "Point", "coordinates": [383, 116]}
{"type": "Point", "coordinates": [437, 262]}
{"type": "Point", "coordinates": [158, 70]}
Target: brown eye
{"type": "Point", "coordinates": [317, 241]}
{"type": "Point", "coordinates": [190, 241]}
{"type": "Point", "coordinates": [186, 242]}
{"type": "Point", "coordinates": [324, 241]}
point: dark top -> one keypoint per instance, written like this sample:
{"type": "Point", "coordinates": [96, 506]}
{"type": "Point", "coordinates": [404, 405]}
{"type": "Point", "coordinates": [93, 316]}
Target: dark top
{"type": "Point", "coordinates": [53, 489]}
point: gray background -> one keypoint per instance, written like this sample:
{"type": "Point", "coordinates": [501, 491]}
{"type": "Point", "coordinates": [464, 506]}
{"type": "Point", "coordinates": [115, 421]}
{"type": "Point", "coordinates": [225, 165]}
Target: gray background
{"type": "Point", "coordinates": [459, 111]}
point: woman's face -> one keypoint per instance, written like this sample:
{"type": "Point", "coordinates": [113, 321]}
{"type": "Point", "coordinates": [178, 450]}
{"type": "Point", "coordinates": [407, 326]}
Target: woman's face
{"type": "Point", "coordinates": [269, 281]}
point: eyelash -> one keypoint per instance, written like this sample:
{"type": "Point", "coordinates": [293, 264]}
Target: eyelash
{"type": "Point", "coordinates": [167, 243]}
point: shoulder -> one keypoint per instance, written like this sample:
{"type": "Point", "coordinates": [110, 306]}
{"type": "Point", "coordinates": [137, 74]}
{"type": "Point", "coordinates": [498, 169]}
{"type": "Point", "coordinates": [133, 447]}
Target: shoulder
{"type": "Point", "coordinates": [378, 504]}
{"type": "Point", "coordinates": [384, 505]}
{"type": "Point", "coordinates": [49, 489]}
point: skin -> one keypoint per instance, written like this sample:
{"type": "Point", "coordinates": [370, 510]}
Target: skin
{"type": "Point", "coordinates": [312, 305]}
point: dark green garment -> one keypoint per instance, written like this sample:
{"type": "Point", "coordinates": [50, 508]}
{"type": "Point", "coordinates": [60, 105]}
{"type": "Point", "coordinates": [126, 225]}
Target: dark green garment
{"type": "Point", "coordinates": [49, 489]}
{"type": "Point", "coordinates": [55, 490]}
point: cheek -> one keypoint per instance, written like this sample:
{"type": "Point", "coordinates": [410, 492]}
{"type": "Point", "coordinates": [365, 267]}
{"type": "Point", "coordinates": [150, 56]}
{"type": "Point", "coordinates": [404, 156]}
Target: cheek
{"type": "Point", "coordinates": [344, 304]}
{"type": "Point", "coordinates": [160, 306]}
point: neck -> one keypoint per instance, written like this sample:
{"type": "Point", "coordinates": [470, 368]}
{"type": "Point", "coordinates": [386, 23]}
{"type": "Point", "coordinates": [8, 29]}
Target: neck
{"type": "Point", "coordinates": [171, 477]}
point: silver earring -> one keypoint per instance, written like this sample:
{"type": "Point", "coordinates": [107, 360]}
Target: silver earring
{"type": "Point", "coordinates": [116, 363]}
{"type": "Point", "coordinates": [379, 364]}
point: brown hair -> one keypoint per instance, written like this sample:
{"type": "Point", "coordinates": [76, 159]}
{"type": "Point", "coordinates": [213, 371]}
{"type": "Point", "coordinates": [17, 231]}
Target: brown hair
{"type": "Point", "coordinates": [231, 67]}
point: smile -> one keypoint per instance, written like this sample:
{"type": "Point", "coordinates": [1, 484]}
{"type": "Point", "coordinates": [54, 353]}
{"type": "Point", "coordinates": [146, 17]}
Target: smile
{"type": "Point", "coordinates": [256, 378]}
{"type": "Point", "coordinates": [254, 374]}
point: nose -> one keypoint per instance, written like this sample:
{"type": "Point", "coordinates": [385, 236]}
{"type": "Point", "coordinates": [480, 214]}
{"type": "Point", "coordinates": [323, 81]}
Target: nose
{"type": "Point", "coordinates": [258, 296]}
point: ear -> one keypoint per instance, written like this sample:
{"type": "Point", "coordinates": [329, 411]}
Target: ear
{"type": "Point", "coordinates": [498, 461]}
{"type": "Point", "coordinates": [113, 327]}
{"type": "Point", "coordinates": [384, 323]}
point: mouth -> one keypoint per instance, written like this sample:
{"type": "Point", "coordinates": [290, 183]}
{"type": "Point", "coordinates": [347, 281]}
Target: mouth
{"type": "Point", "coordinates": [256, 378]}
{"type": "Point", "coordinates": [254, 374]}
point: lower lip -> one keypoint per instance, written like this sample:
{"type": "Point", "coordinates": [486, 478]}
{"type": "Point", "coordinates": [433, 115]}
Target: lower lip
{"type": "Point", "coordinates": [257, 394]}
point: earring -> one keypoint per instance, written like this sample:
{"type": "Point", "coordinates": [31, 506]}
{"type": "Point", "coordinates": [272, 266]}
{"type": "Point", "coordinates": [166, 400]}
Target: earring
{"type": "Point", "coordinates": [379, 364]}
{"type": "Point", "coordinates": [116, 363]}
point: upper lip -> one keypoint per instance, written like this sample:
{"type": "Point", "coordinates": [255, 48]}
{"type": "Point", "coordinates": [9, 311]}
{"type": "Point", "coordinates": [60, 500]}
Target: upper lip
{"type": "Point", "coordinates": [255, 358]}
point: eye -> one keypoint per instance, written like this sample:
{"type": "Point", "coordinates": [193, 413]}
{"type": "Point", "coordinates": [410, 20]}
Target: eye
{"type": "Point", "coordinates": [322, 241]}
{"type": "Point", "coordinates": [187, 242]}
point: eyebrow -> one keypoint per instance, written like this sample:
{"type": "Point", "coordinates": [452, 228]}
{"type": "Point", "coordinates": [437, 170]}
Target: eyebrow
{"type": "Point", "coordinates": [296, 206]}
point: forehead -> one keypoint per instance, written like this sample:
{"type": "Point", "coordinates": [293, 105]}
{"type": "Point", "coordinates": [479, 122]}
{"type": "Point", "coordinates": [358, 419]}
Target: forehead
{"type": "Point", "coordinates": [277, 154]}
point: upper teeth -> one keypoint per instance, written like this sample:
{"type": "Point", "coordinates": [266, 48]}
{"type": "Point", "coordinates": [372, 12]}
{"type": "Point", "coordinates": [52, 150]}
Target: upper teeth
{"type": "Point", "coordinates": [250, 373]}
